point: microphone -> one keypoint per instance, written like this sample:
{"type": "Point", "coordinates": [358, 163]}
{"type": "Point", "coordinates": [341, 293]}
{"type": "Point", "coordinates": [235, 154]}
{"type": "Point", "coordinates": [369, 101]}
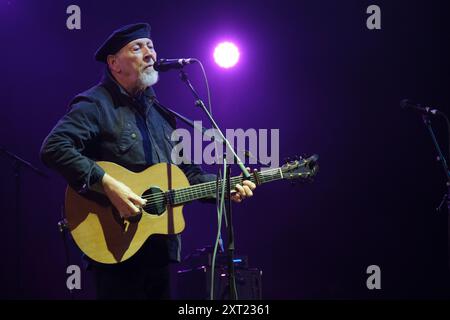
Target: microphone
{"type": "Point", "coordinates": [408, 104]}
{"type": "Point", "coordinates": [169, 64]}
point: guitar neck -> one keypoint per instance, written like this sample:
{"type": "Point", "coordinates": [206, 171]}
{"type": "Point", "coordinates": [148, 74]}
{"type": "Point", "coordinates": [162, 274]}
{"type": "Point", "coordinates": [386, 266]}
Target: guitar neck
{"type": "Point", "coordinates": [209, 189]}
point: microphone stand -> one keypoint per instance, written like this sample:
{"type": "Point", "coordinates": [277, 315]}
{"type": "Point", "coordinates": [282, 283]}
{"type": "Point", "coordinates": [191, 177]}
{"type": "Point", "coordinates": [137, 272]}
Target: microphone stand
{"type": "Point", "coordinates": [441, 158]}
{"type": "Point", "coordinates": [18, 163]}
{"type": "Point", "coordinates": [228, 213]}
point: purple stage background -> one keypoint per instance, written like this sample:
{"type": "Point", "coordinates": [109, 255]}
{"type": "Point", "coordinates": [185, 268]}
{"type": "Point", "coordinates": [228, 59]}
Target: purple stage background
{"type": "Point", "coordinates": [311, 69]}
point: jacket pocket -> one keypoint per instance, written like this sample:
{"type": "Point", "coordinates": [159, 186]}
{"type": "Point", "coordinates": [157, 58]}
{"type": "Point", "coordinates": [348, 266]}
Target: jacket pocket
{"type": "Point", "coordinates": [127, 139]}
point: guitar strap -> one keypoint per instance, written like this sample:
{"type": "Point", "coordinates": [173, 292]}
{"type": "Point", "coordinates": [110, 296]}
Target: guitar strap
{"type": "Point", "coordinates": [175, 114]}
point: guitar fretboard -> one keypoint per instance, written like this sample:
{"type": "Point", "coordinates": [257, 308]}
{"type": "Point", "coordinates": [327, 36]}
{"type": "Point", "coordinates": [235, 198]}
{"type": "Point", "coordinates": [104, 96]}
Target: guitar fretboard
{"type": "Point", "coordinates": [208, 189]}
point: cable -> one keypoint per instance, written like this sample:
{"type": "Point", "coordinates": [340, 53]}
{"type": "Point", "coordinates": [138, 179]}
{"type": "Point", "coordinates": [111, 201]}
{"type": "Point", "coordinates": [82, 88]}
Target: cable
{"type": "Point", "coordinates": [206, 83]}
{"type": "Point", "coordinates": [219, 227]}
{"type": "Point", "coordinates": [219, 204]}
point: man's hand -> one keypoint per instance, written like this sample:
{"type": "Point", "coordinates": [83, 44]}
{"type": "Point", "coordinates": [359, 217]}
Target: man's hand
{"type": "Point", "coordinates": [244, 191]}
{"type": "Point", "coordinates": [122, 197]}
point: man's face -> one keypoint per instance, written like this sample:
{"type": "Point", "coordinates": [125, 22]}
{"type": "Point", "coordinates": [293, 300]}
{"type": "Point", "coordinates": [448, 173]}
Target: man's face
{"type": "Point", "coordinates": [134, 63]}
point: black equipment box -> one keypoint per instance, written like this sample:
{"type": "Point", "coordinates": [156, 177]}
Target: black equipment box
{"type": "Point", "coordinates": [193, 279]}
{"type": "Point", "coordinates": [195, 284]}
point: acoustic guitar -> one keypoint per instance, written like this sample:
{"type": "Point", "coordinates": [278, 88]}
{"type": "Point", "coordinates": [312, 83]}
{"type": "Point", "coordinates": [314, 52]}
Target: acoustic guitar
{"type": "Point", "coordinates": [104, 236]}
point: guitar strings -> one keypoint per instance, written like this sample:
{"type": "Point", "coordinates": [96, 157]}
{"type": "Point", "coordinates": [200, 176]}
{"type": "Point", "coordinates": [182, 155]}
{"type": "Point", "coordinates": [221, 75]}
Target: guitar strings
{"type": "Point", "coordinates": [199, 190]}
{"type": "Point", "coordinates": [174, 198]}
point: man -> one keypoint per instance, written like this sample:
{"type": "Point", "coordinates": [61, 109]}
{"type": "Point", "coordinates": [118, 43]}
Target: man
{"type": "Point", "coordinates": [120, 121]}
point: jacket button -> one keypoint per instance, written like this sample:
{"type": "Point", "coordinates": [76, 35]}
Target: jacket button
{"type": "Point", "coordinates": [133, 135]}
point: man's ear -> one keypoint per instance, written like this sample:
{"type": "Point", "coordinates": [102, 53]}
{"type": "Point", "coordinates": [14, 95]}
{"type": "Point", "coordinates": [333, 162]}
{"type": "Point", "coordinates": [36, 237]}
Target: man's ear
{"type": "Point", "coordinates": [113, 63]}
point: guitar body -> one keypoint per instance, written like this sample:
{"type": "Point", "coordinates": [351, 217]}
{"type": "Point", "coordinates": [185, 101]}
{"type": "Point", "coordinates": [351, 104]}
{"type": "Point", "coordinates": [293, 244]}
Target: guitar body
{"type": "Point", "coordinates": [103, 235]}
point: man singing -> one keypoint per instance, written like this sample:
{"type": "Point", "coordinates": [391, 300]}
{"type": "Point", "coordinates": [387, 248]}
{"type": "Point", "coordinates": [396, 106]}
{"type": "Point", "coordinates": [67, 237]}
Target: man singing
{"type": "Point", "coordinates": [120, 121]}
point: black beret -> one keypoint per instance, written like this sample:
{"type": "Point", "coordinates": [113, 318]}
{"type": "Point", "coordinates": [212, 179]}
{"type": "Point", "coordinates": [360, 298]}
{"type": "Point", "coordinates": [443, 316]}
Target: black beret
{"type": "Point", "coordinates": [120, 37]}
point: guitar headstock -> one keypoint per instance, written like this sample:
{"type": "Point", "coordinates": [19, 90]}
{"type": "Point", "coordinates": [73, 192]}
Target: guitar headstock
{"type": "Point", "coordinates": [301, 168]}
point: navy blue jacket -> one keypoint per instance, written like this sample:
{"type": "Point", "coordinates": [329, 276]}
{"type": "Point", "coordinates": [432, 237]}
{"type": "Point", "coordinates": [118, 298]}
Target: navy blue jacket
{"type": "Point", "coordinates": [104, 123]}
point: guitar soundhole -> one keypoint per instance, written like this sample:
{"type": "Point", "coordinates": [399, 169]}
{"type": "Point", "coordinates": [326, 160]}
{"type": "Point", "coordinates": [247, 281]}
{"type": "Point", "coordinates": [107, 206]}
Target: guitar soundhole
{"type": "Point", "coordinates": [156, 201]}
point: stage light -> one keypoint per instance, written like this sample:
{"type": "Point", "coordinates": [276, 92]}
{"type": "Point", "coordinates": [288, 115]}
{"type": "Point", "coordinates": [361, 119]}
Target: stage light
{"type": "Point", "coordinates": [226, 55]}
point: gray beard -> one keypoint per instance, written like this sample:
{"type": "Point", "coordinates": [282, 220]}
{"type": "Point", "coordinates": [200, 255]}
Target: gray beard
{"type": "Point", "coordinates": [147, 79]}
